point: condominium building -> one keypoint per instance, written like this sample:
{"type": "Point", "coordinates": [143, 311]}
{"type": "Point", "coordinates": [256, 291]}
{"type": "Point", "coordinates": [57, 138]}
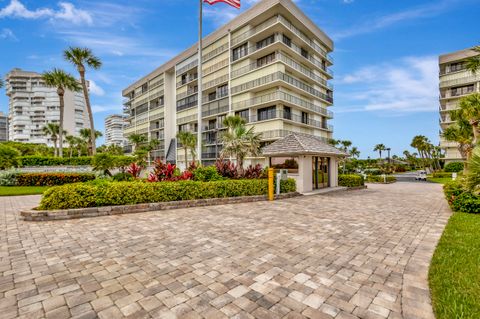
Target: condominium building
{"type": "Point", "coordinates": [32, 105]}
{"type": "Point", "coordinates": [3, 127]}
{"type": "Point", "coordinates": [455, 83]}
{"type": "Point", "coordinates": [270, 65]}
{"type": "Point", "coordinates": [114, 126]}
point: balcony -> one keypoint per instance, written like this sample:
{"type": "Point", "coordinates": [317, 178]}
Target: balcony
{"type": "Point", "coordinates": [189, 92]}
{"type": "Point", "coordinates": [188, 80]}
{"type": "Point", "coordinates": [282, 97]}
{"type": "Point", "coordinates": [273, 115]}
{"type": "Point", "coordinates": [215, 107]}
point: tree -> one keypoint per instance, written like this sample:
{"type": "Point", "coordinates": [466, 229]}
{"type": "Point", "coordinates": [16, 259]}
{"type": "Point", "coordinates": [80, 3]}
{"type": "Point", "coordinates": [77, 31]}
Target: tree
{"type": "Point", "coordinates": [460, 133]}
{"type": "Point", "coordinates": [189, 142]}
{"type": "Point", "coordinates": [238, 141]}
{"type": "Point", "coordinates": [86, 135]}
{"type": "Point", "coordinates": [469, 110]}
{"type": "Point", "coordinates": [71, 143]}
{"type": "Point", "coordinates": [354, 152]}
{"type": "Point", "coordinates": [473, 63]}
{"type": "Point", "coordinates": [380, 148]}
{"type": "Point", "coordinates": [137, 140]}
{"type": "Point", "coordinates": [1, 83]}
{"type": "Point", "coordinates": [52, 129]}
{"type": "Point", "coordinates": [8, 157]}
{"type": "Point", "coordinates": [472, 180]}
{"type": "Point", "coordinates": [62, 81]}
{"type": "Point", "coordinates": [81, 58]}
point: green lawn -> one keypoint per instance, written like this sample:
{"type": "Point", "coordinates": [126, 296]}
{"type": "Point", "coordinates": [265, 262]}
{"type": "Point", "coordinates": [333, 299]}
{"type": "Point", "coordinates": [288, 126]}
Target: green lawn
{"type": "Point", "coordinates": [440, 180]}
{"type": "Point", "coordinates": [455, 270]}
{"type": "Point", "coordinates": [22, 190]}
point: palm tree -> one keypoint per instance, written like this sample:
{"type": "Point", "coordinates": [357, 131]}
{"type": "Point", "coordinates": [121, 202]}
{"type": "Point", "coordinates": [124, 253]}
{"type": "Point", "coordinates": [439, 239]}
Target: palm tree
{"type": "Point", "coordinates": [52, 129]}
{"type": "Point", "coordinates": [86, 135]}
{"type": "Point", "coordinates": [62, 81]}
{"type": "Point", "coordinates": [80, 58]}
{"type": "Point", "coordinates": [71, 143]}
{"type": "Point", "coordinates": [473, 63]}
{"type": "Point", "coordinates": [354, 152]}
{"type": "Point", "coordinates": [345, 145]}
{"type": "Point", "coordinates": [238, 141]}
{"type": "Point", "coordinates": [460, 133]}
{"type": "Point", "coordinates": [473, 176]}
{"type": "Point", "coordinates": [137, 140]}
{"type": "Point", "coordinates": [380, 148]}
{"type": "Point", "coordinates": [189, 142]}
{"type": "Point", "coordinates": [1, 83]}
{"type": "Point", "coordinates": [469, 110]}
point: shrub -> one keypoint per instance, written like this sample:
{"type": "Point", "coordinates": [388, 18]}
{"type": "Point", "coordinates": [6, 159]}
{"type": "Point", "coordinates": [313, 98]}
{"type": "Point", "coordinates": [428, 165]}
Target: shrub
{"type": "Point", "coordinates": [122, 177]}
{"type": "Point", "coordinates": [467, 203]}
{"type": "Point", "coordinates": [51, 179]}
{"type": "Point", "coordinates": [350, 180]}
{"type": "Point", "coordinates": [103, 162]}
{"type": "Point", "coordinates": [122, 162]}
{"type": "Point", "coordinates": [453, 167]}
{"type": "Point", "coordinates": [442, 175]}
{"type": "Point", "coordinates": [25, 161]}
{"type": "Point", "coordinates": [226, 169]}
{"type": "Point", "coordinates": [381, 179]}
{"type": "Point", "coordinates": [453, 189]}
{"type": "Point", "coordinates": [253, 171]}
{"type": "Point", "coordinates": [8, 157]}
{"type": "Point", "coordinates": [8, 179]}
{"type": "Point", "coordinates": [128, 193]}
{"type": "Point", "coordinates": [206, 174]}
{"type": "Point", "coordinates": [134, 170]}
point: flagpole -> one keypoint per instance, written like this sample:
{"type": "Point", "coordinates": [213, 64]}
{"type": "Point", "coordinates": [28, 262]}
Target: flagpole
{"type": "Point", "coordinates": [199, 73]}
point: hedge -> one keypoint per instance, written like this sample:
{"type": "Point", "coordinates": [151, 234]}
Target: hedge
{"type": "Point", "coordinates": [381, 179]}
{"type": "Point", "coordinates": [453, 167]}
{"type": "Point", "coordinates": [350, 180]}
{"type": "Point", "coordinates": [51, 179]}
{"type": "Point", "coordinates": [25, 161]}
{"type": "Point", "coordinates": [461, 200]}
{"type": "Point", "coordinates": [128, 193]}
{"type": "Point", "coordinates": [442, 175]}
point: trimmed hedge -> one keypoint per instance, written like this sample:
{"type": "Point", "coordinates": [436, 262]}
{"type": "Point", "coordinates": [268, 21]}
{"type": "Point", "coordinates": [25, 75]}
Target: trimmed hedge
{"type": "Point", "coordinates": [442, 175]}
{"type": "Point", "coordinates": [380, 179]}
{"type": "Point", "coordinates": [454, 167]}
{"type": "Point", "coordinates": [129, 193]}
{"type": "Point", "coordinates": [51, 179]}
{"type": "Point", "coordinates": [25, 161]}
{"type": "Point", "coordinates": [350, 180]}
{"type": "Point", "coordinates": [461, 200]}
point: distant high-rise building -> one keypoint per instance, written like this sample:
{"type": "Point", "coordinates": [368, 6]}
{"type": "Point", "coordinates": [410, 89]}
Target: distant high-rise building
{"type": "Point", "coordinates": [114, 127]}
{"type": "Point", "coordinates": [32, 105]}
{"type": "Point", "coordinates": [455, 82]}
{"type": "Point", "coordinates": [3, 127]}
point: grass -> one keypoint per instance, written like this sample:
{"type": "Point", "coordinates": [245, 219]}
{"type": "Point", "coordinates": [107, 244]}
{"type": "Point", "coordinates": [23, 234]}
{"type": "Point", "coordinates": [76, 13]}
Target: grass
{"type": "Point", "coordinates": [22, 190]}
{"type": "Point", "coordinates": [455, 269]}
{"type": "Point", "coordinates": [440, 180]}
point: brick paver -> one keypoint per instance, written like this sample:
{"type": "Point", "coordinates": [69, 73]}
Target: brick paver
{"type": "Point", "coordinates": [358, 254]}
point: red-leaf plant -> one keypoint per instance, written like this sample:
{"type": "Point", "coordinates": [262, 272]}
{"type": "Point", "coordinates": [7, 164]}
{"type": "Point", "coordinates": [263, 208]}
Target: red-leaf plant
{"type": "Point", "coordinates": [134, 169]}
{"type": "Point", "coordinates": [166, 172]}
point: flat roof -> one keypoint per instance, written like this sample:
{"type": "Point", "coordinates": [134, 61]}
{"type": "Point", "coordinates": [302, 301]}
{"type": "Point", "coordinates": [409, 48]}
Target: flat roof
{"type": "Point", "coordinates": [456, 56]}
{"type": "Point", "coordinates": [237, 22]}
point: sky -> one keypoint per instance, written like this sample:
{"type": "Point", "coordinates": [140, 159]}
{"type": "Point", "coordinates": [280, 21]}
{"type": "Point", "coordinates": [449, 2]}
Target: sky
{"type": "Point", "coordinates": [386, 53]}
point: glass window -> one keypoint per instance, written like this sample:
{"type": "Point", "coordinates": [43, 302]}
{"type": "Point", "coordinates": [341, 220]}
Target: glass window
{"type": "Point", "coordinates": [304, 118]}
{"type": "Point", "coordinates": [222, 91]}
{"type": "Point", "coordinates": [287, 40]}
{"type": "Point", "coordinates": [240, 52]}
{"type": "Point", "coordinates": [266, 113]}
{"type": "Point", "coordinates": [266, 59]}
{"type": "Point", "coordinates": [267, 41]}
{"type": "Point", "coordinates": [287, 113]}
{"type": "Point", "coordinates": [243, 114]}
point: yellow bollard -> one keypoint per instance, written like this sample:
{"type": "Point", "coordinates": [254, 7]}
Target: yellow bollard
{"type": "Point", "coordinates": [270, 183]}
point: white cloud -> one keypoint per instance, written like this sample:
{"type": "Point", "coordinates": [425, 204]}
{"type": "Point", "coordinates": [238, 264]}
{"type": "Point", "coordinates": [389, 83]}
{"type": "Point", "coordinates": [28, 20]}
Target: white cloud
{"type": "Point", "coordinates": [95, 89]}
{"type": "Point", "coordinates": [406, 86]}
{"type": "Point", "coordinates": [96, 108]}
{"type": "Point", "coordinates": [348, 1]}
{"type": "Point", "coordinates": [6, 33]}
{"type": "Point", "coordinates": [66, 13]}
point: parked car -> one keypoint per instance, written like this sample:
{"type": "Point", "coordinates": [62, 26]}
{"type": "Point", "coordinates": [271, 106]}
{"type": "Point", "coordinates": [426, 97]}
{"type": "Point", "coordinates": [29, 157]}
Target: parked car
{"type": "Point", "coordinates": [421, 176]}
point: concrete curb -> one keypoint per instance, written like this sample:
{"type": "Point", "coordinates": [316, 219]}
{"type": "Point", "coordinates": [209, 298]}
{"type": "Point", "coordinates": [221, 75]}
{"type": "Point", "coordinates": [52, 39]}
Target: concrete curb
{"type": "Point", "coordinates": [49, 215]}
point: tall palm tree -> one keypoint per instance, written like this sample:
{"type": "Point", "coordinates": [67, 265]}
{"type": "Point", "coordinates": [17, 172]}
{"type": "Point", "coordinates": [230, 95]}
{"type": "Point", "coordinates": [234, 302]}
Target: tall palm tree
{"type": "Point", "coordinates": [189, 142]}
{"type": "Point", "coordinates": [380, 148]}
{"type": "Point", "coordinates": [473, 63]}
{"type": "Point", "coordinates": [62, 81]}
{"type": "Point", "coordinates": [137, 140]}
{"type": "Point", "coordinates": [354, 152]}
{"type": "Point", "coordinates": [52, 129]}
{"type": "Point", "coordinates": [473, 175]}
{"type": "Point", "coordinates": [82, 58]}
{"type": "Point", "coordinates": [86, 135]}
{"type": "Point", "coordinates": [460, 133]}
{"type": "Point", "coordinates": [71, 143]}
{"type": "Point", "coordinates": [469, 110]}
{"type": "Point", "coordinates": [238, 141]}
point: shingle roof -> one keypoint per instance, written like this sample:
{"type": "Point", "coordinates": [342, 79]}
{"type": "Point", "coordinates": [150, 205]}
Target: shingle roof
{"type": "Point", "coordinates": [301, 144]}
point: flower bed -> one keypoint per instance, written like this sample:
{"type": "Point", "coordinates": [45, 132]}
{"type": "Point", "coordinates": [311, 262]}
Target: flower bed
{"type": "Point", "coordinates": [350, 180]}
{"type": "Point", "coordinates": [129, 193]}
{"type": "Point", "coordinates": [44, 179]}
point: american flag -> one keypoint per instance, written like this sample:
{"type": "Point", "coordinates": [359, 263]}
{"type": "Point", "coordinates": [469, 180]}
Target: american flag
{"type": "Point", "coordinates": [233, 3]}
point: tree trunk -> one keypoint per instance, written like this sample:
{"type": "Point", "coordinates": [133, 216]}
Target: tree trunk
{"type": "Point", "coordinates": [89, 109]}
{"type": "Point", "coordinates": [475, 133]}
{"type": "Point", "coordinates": [186, 156]}
{"type": "Point", "coordinates": [55, 150]}
{"type": "Point", "coordinates": [61, 92]}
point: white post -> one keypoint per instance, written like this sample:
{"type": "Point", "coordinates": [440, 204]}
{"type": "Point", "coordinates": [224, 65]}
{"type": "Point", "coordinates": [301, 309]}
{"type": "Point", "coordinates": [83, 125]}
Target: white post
{"type": "Point", "coordinates": [199, 72]}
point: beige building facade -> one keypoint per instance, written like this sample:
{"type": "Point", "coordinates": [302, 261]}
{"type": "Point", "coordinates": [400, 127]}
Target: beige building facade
{"type": "Point", "coordinates": [455, 83]}
{"type": "Point", "coordinates": [269, 65]}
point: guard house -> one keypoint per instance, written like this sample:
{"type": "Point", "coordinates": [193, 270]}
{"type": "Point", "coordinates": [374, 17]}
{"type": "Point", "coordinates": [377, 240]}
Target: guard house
{"type": "Point", "coordinates": [309, 159]}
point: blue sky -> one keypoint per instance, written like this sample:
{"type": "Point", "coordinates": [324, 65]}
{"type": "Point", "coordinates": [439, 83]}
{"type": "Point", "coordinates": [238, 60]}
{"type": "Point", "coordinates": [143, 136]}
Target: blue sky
{"type": "Point", "coordinates": [386, 51]}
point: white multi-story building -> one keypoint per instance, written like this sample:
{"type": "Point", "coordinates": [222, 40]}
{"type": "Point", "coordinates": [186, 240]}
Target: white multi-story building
{"type": "Point", "coordinates": [32, 105]}
{"type": "Point", "coordinates": [3, 127]}
{"type": "Point", "coordinates": [114, 126]}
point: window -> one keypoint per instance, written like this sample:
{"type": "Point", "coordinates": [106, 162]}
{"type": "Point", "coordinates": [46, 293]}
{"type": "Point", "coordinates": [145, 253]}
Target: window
{"type": "Point", "coordinates": [304, 53]}
{"type": "Point", "coordinates": [161, 100]}
{"type": "Point", "coordinates": [212, 96]}
{"type": "Point", "coordinates": [287, 40]}
{"type": "Point", "coordinates": [265, 60]}
{"type": "Point", "coordinates": [243, 114]}
{"type": "Point", "coordinates": [145, 88]}
{"type": "Point", "coordinates": [462, 90]}
{"type": "Point", "coordinates": [222, 91]}
{"type": "Point", "coordinates": [287, 113]}
{"type": "Point", "coordinates": [187, 102]}
{"type": "Point", "coordinates": [266, 113]}
{"type": "Point", "coordinates": [240, 52]}
{"type": "Point", "coordinates": [220, 120]}
{"type": "Point", "coordinates": [265, 42]}
{"type": "Point", "coordinates": [304, 118]}
{"type": "Point", "coordinates": [458, 66]}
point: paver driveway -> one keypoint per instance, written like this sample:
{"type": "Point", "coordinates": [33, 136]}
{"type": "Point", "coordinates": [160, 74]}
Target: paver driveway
{"type": "Point", "coordinates": [345, 255]}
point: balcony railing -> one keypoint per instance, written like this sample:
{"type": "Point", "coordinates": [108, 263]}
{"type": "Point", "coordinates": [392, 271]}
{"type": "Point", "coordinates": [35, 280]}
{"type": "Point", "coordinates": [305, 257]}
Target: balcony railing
{"type": "Point", "coordinates": [187, 67]}
{"type": "Point", "coordinates": [272, 115]}
{"type": "Point", "coordinates": [215, 107]}
{"type": "Point", "coordinates": [189, 92]}
{"type": "Point", "coordinates": [187, 80]}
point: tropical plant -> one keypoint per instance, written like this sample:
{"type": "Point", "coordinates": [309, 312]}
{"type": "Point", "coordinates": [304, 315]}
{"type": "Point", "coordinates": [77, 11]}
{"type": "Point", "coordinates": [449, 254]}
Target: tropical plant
{"type": "Point", "coordinates": [226, 168]}
{"type": "Point", "coordinates": [8, 157]}
{"type": "Point", "coordinates": [134, 169]}
{"type": "Point", "coordinates": [103, 162]}
{"type": "Point", "coordinates": [62, 81]}
{"type": "Point", "coordinates": [189, 143]}
{"type": "Point", "coordinates": [238, 141]}
{"type": "Point", "coordinates": [473, 63]}
{"type": "Point", "coordinates": [460, 133]}
{"type": "Point", "coordinates": [137, 140]}
{"type": "Point", "coordinates": [86, 135]}
{"type": "Point", "coordinates": [82, 58]}
{"type": "Point", "coordinates": [72, 142]}
{"type": "Point", "coordinates": [469, 110]}
{"type": "Point", "coordinates": [1, 83]}
{"type": "Point", "coordinates": [52, 129]}
{"type": "Point", "coordinates": [472, 180]}
{"type": "Point", "coordinates": [354, 152]}
{"type": "Point", "coordinates": [379, 148]}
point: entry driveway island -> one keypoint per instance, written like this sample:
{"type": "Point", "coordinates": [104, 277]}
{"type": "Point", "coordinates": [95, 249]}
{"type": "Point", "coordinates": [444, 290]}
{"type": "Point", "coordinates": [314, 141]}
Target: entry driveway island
{"type": "Point", "coordinates": [351, 254]}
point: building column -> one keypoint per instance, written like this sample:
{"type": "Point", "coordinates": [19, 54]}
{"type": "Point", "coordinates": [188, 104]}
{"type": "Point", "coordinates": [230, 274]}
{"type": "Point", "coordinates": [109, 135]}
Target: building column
{"type": "Point", "coordinates": [333, 172]}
